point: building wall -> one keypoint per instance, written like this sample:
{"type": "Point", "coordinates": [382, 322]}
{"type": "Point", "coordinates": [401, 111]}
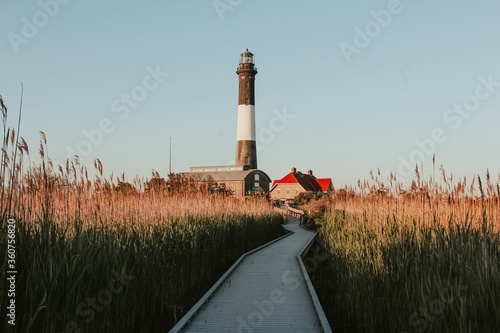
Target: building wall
{"type": "Point", "coordinates": [236, 185]}
{"type": "Point", "coordinates": [243, 187]}
{"type": "Point", "coordinates": [286, 191]}
{"type": "Point", "coordinates": [240, 182]}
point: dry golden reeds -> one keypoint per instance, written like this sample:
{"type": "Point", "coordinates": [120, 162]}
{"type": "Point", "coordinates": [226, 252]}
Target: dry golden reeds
{"type": "Point", "coordinates": [423, 258]}
{"type": "Point", "coordinates": [73, 233]}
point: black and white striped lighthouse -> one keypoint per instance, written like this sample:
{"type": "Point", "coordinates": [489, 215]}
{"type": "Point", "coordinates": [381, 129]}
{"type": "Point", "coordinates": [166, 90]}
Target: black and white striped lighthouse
{"type": "Point", "coordinates": [246, 147]}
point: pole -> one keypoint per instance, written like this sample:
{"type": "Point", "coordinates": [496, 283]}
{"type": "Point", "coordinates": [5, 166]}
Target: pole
{"type": "Point", "coordinates": [170, 158]}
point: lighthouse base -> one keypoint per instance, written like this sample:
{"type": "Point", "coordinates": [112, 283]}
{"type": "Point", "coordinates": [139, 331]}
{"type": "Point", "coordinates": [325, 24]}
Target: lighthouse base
{"type": "Point", "coordinates": [246, 153]}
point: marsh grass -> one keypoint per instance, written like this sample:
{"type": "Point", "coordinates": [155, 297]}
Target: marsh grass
{"type": "Point", "coordinates": [76, 233]}
{"type": "Point", "coordinates": [422, 259]}
{"type": "Point", "coordinates": [172, 262]}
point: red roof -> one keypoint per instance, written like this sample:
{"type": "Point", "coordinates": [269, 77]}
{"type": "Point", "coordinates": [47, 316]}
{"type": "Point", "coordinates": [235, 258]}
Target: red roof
{"type": "Point", "coordinates": [325, 183]}
{"type": "Point", "coordinates": [307, 181]}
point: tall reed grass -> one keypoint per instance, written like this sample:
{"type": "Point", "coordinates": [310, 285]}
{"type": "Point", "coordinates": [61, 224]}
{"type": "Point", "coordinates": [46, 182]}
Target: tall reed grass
{"type": "Point", "coordinates": [419, 259]}
{"type": "Point", "coordinates": [104, 255]}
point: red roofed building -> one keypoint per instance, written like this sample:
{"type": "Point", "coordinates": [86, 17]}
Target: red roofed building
{"type": "Point", "coordinates": [326, 184]}
{"type": "Point", "coordinates": [297, 182]}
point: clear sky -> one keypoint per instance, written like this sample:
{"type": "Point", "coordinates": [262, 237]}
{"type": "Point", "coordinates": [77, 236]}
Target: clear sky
{"type": "Point", "coordinates": [343, 86]}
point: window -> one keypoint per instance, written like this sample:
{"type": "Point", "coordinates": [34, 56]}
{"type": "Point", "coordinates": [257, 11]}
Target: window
{"type": "Point", "coordinates": [279, 191]}
{"type": "Point", "coordinates": [247, 160]}
{"type": "Point", "coordinates": [247, 84]}
{"type": "Point", "coordinates": [246, 101]}
{"type": "Point", "coordinates": [256, 179]}
{"type": "Point", "coordinates": [287, 191]}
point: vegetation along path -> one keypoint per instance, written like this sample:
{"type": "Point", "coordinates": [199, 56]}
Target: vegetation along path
{"type": "Point", "coordinates": [266, 291]}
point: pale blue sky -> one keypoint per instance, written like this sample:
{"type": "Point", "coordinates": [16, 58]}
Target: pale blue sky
{"type": "Point", "coordinates": [348, 116]}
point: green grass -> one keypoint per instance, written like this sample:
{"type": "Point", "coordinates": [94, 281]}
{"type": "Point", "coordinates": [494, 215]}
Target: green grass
{"type": "Point", "coordinates": [170, 263]}
{"type": "Point", "coordinates": [395, 277]}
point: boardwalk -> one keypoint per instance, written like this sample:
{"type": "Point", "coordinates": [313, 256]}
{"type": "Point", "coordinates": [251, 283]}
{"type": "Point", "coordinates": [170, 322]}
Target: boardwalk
{"type": "Point", "coordinates": [266, 292]}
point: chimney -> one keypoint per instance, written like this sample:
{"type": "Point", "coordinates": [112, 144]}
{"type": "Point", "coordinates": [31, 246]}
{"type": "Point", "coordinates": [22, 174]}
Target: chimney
{"type": "Point", "coordinates": [310, 172]}
{"type": "Point", "coordinates": [294, 170]}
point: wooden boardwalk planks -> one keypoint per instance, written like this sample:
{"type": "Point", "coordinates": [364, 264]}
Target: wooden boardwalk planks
{"type": "Point", "coordinates": [266, 292]}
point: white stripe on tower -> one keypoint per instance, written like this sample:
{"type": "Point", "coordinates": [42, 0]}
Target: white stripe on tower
{"type": "Point", "coordinates": [246, 123]}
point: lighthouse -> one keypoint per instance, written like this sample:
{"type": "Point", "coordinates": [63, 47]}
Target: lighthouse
{"type": "Point", "coordinates": [246, 147]}
{"type": "Point", "coordinates": [243, 178]}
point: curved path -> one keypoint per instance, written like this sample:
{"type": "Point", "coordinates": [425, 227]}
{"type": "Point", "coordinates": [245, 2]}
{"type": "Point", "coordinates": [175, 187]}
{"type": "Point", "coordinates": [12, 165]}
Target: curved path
{"type": "Point", "coordinates": [266, 292]}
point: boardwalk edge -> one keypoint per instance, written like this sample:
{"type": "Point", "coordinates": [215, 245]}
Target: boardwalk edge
{"type": "Point", "coordinates": [325, 325]}
{"type": "Point", "coordinates": [181, 324]}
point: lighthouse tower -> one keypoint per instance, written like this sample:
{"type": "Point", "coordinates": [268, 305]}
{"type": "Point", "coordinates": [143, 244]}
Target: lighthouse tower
{"type": "Point", "coordinates": [243, 178]}
{"type": "Point", "coordinates": [246, 147]}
